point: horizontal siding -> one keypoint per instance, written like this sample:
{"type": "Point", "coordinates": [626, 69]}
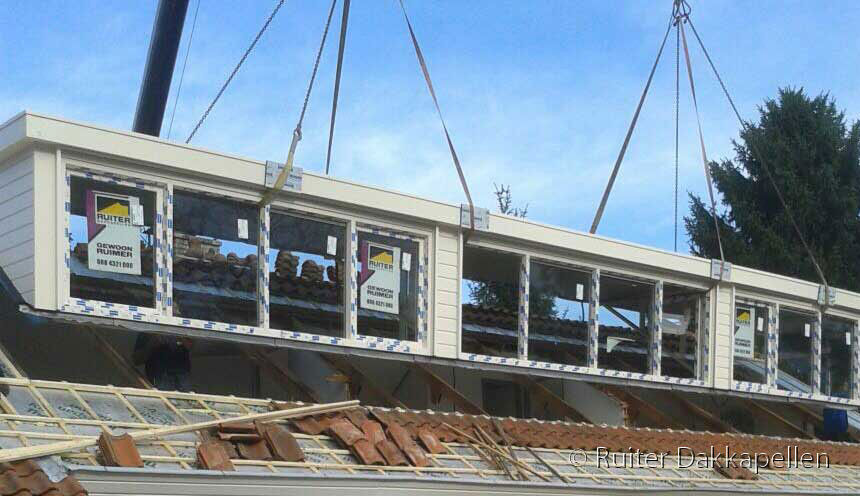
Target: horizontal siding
{"type": "Point", "coordinates": [17, 247]}
{"type": "Point", "coordinates": [723, 337]}
{"type": "Point", "coordinates": [447, 302]}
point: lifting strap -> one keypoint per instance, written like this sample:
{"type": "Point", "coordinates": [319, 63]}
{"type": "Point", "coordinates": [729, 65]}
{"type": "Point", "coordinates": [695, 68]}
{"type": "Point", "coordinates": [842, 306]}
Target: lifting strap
{"type": "Point", "coordinates": [426, 73]}
{"type": "Point", "coordinates": [605, 198]}
{"type": "Point", "coordinates": [761, 158]}
{"type": "Point", "coordinates": [680, 21]}
{"type": "Point", "coordinates": [297, 132]}
{"type": "Point", "coordinates": [341, 46]}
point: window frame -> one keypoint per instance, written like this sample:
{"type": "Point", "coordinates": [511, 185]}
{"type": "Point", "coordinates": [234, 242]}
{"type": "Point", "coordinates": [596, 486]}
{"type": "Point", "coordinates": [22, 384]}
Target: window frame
{"type": "Point", "coordinates": [525, 280]}
{"type": "Point", "coordinates": [265, 268]}
{"type": "Point", "coordinates": [854, 389]}
{"type": "Point", "coordinates": [703, 321]}
{"type": "Point", "coordinates": [814, 347]}
{"type": "Point", "coordinates": [72, 304]}
{"type": "Point", "coordinates": [771, 344]}
{"type": "Point", "coordinates": [596, 270]}
{"type": "Point", "coordinates": [262, 313]}
{"type": "Point", "coordinates": [422, 312]}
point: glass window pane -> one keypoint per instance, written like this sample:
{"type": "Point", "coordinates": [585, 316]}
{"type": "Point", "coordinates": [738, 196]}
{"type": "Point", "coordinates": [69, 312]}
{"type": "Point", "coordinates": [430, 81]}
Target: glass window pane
{"type": "Point", "coordinates": [750, 343]}
{"type": "Point", "coordinates": [682, 319]}
{"type": "Point", "coordinates": [112, 250]}
{"type": "Point", "coordinates": [795, 351]}
{"type": "Point", "coordinates": [215, 259]}
{"type": "Point", "coordinates": [836, 343]}
{"type": "Point", "coordinates": [387, 275]}
{"type": "Point", "coordinates": [559, 300]}
{"type": "Point", "coordinates": [491, 299]}
{"type": "Point", "coordinates": [306, 260]}
{"type": "Point", "coordinates": [625, 324]}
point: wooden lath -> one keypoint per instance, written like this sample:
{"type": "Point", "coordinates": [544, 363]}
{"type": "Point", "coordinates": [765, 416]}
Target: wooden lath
{"type": "Point", "coordinates": [6, 359]}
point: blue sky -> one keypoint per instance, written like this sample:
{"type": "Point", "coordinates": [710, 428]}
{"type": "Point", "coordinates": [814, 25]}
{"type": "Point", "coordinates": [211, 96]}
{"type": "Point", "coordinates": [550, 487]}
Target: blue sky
{"type": "Point", "coordinates": [536, 94]}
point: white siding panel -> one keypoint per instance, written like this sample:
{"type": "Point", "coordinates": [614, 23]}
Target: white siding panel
{"type": "Point", "coordinates": [449, 311]}
{"type": "Point", "coordinates": [445, 297]}
{"type": "Point", "coordinates": [17, 248]}
{"type": "Point", "coordinates": [445, 257]}
{"type": "Point", "coordinates": [447, 306]}
{"type": "Point", "coordinates": [19, 269]}
{"type": "Point", "coordinates": [447, 285]}
{"type": "Point", "coordinates": [15, 238]}
{"type": "Point", "coordinates": [723, 337]}
{"type": "Point", "coordinates": [446, 271]}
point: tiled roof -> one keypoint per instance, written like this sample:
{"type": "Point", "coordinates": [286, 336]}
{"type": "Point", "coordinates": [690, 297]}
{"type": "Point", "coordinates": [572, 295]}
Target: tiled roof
{"type": "Point", "coordinates": [44, 411]}
{"type": "Point", "coordinates": [587, 437]}
{"type": "Point", "coordinates": [27, 478]}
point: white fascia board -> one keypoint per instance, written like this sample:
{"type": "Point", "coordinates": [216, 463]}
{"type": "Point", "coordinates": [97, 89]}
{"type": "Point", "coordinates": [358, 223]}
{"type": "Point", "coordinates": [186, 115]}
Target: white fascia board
{"type": "Point", "coordinates": [13, 136]}
{"type": "Point", "coordinates": [598, 247]}
{"type": "Point", "coordinates": [144, 148]}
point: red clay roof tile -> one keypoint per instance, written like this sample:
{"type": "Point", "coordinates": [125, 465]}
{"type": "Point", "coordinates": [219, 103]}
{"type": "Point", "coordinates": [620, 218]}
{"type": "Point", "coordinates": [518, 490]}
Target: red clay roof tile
{"type": "Point", "coordinates": [392, 454]}
{"type": "Point", "coordinates": [254, 451]}
{"type": "Point", "coordinates": [212, 455]}
{"type": "Point", "coordinates": [431, 442]}
{"type": "Point", "coordinates": [346, 432]}
{"type": "Point", "coordinates": [282, 444]}
{"type": "Point", "coordinates": [27, 477]}
{"type": "Point", "coordinates": [366, 452]}
{"type": "Point", "coordinates": [373, 431]}
{"type": "Point", "coordinates": [119, 451]}
{"type": "Point", "coordinates": [309, 425]}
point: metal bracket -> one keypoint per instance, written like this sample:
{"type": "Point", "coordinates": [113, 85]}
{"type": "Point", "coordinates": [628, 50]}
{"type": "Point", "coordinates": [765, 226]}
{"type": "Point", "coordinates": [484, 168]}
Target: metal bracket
{"type": "Point", "coordinates": [826, 295]}
{"type": "Point", "coordinates": [294, 181]}
{"type": "Point", "coordinates": [482, 218]}
{"type": "Point", "coordinates": [719, 268]}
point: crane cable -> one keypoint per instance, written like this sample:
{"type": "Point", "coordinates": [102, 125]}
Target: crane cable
{"type": "Point", "coordinates": [677, 122]}
{"type": "Point", "coordinates": [184, 65]}
{"type": "Point", "coordinates": [757, 153]}
{"type": "Point", "coordinates": [235, 70]}
{"type": "Point", "coordinates": [297, 132]}
{"type": "Point", "coordinates": [341, 47]}
{"type": "Point", "coordinates": [429, 82]}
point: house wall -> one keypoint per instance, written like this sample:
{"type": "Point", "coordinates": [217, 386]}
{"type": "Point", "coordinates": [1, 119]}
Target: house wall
{"type": "Point", "coordinates": [17, 229]}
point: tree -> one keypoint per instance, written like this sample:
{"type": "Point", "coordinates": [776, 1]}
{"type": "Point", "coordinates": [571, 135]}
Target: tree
{"type": "Point", "coordinates": [497, 294]}
{"type": "Point", "coordinates": [814, 157]}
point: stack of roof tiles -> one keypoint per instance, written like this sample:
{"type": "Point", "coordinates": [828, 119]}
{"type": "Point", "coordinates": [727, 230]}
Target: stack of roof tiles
{"type": "Point", "coordinates": [26, 478]}
{"type": "Point", "coordinates": [248, 441]}
{"type": "Point", "coordinates": [360, 430]}
{"type": "Point", "coordinates": [372, 438]}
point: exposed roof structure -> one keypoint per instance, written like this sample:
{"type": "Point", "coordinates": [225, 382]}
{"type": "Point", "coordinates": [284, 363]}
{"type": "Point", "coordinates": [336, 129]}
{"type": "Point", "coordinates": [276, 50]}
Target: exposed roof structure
{"type": "Point", "coordinates": [38, 412]}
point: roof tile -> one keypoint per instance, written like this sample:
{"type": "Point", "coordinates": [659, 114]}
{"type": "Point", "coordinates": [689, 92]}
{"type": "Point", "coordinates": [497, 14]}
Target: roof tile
{"type": "Point", "coordinates": [366, 452]}
{"type": "Point", "coordinates": [346, 432]}
{"type": "Point", "coordinates": [212, 455]}
{"type": "Point", "coordinates": [431, 442]}
{"type": "Point", "coordinates": [392, 454]}
{"type": "Point", "coordinates": [254, 451]}
{"type": "Point", "coordinates": [119, 451]}
{"type": "Point", "coordinates": [282, 444]}
{"type": "Point", "coordinates": [373, 431]}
